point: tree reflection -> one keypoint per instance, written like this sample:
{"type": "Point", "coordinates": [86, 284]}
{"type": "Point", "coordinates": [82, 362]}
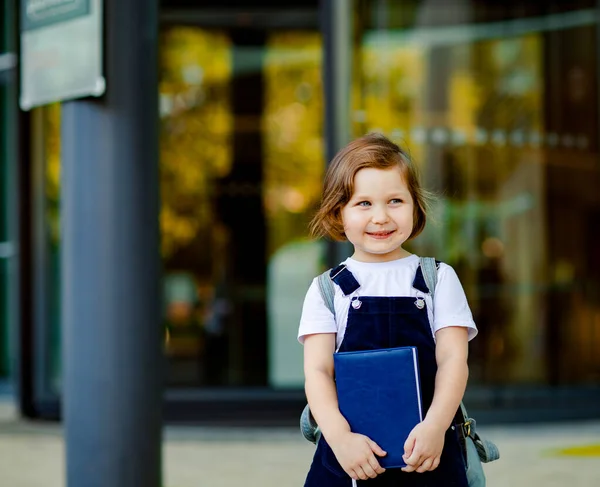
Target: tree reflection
{"type": "Point", "coordinates": [196, 125]}
{"type": "Point", "coordinates": [293, 140]}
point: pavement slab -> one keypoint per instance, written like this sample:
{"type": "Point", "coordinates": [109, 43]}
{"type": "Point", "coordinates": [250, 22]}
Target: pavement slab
{"type": "Point", "coordinates": [32, 455]}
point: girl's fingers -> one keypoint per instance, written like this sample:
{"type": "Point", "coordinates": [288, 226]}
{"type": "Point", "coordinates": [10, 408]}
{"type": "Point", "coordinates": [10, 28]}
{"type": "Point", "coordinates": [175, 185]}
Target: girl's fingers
{"type": "Point", "coordinates": [369, 471]}
{"type": "Point", "coordinates": [436, 463]}
{"type": "Point", "coordinates": [378, 469]}
{"type": "Point", "coordinates": [361, 473]}
{"type": "Point", "coordinates": [414, 459]}
{"type": "Point", "coordinates": [376, 448]}
{"type": "Point", "coordinates": [425, 466]}
{"type": "Point", "coordinates": [412, 462]}
{"type": "Point", "coordinates": [409, 445]}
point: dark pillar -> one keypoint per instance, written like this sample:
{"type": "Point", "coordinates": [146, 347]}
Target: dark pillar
{"type": "Point", "coordinates": [113, 363]}
{"type": "Point", "coordinates": [8, 195]}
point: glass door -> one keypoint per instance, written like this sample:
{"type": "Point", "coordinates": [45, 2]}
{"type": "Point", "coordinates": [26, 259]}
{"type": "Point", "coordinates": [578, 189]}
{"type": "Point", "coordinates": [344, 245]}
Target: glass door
{"type": "Point", "coordinates": [241, 167]}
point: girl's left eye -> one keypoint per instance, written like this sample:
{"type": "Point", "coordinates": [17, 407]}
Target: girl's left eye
{"type": "Point", "coordinates": [396, 201]}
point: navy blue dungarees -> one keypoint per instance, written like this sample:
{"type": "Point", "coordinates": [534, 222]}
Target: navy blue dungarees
{"type": "Point", "coordinates": [384, 322]}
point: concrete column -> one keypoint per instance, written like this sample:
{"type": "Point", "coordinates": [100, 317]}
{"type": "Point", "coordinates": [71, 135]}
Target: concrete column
{"type": "Point", "coordinates": [112, 357]}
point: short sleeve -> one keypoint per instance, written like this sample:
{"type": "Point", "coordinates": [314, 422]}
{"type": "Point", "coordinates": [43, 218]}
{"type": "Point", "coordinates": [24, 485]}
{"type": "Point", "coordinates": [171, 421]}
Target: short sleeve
{"type": "Point", "coordinates": [316, 317]}
{"type": "Point", "coordinates": [451, 307]}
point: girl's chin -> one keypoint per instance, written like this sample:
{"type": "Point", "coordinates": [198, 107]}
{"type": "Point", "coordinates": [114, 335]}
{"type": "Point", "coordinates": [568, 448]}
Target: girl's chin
{"type": "Point", "coordinates": [380, 255]}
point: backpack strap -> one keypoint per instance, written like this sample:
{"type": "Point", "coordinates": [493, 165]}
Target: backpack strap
{"type": "Point", "coordinates": [429, 270]}
{"type": "Point", "coordinates": [327, 290]}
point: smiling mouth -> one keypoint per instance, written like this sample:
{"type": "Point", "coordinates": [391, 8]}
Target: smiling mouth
{"type": "Point", "coordinates": [380, 235]}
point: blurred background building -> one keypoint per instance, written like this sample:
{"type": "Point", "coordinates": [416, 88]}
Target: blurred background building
{"type": "Point", "coordinates": [496, 101]}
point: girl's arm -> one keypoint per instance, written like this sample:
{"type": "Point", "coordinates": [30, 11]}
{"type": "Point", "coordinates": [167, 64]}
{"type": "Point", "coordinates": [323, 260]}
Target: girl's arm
{"type": "Point", "coordinates": [355, 453]}
{"type": "Point", "coordinates": [320, 386]}
{"type": "Point", "coordinates": [451, 352]}
{"type": "Point", "coordinates": [423, 447]}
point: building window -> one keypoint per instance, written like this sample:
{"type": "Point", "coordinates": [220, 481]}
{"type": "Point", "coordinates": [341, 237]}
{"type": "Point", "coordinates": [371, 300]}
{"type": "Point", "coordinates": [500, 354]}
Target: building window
{"type": "Point", "coordinates": [499, 108]}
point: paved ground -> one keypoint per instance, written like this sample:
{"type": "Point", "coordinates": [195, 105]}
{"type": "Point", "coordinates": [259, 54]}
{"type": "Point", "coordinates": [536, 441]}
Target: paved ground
{"type": "Point", "coordinates": [32, 455]}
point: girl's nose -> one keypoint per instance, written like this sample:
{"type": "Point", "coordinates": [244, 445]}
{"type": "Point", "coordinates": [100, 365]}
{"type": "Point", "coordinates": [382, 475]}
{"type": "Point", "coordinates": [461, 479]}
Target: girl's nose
{"type": "Point", "coordinates": [380, 215]}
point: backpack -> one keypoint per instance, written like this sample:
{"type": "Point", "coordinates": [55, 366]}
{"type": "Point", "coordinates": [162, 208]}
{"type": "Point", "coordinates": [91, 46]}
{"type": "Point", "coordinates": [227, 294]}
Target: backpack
{"type": "Point", "coordinates": [476, 448]}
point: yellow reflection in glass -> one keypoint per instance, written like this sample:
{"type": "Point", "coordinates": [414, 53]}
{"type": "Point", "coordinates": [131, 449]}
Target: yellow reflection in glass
{"type": "Point", "coordinates": [51, 135]}
{"type": "Point", "coordinates": [389, 96]}
{"type": "Point", "coordinates": [196, 126]}
{"type": "Point", "coordinates": [293, 127]}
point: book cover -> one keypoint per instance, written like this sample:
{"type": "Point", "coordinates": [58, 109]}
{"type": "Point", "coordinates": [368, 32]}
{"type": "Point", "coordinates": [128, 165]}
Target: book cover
{"type": "Point", "coordinates": [379, 394]}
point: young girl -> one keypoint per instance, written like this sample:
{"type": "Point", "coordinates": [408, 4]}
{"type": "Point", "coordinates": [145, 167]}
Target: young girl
{"type": "Point", "coordinates": [372, 198]}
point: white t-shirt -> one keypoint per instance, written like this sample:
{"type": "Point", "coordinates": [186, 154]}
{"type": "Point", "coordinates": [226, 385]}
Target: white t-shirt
{"type": "Point", "coordinates": [382, 279]}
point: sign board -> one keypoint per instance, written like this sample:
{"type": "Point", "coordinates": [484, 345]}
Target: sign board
{"type": "Point", "coordinates": [61, 51]}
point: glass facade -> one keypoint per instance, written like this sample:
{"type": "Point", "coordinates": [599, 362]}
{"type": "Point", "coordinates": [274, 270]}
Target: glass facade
{"type": "Point", "coordinates": [241, 166]}
{"type": "Point", "coordinates": [499, 108]}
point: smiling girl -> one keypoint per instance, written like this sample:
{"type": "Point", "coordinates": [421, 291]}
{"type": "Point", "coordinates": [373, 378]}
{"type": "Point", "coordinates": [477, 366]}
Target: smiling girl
{"type": "Point", "coordinates": [372, 198]}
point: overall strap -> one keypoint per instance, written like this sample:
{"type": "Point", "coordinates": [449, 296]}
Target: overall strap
{"type": "Point", "coordinates": [342, 277]}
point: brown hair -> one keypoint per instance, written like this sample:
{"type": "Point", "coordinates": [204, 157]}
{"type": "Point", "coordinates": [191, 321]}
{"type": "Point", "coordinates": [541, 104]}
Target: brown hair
{"type": "Point", "coordinates": [373, 150]}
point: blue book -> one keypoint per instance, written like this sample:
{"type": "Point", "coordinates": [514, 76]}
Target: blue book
{"type": "Point", "coordinates": [379, 394]}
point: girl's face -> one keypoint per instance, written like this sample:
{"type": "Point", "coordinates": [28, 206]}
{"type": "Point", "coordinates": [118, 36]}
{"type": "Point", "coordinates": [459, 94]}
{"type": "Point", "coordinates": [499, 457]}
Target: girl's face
{"type": "Point", "coordinates": [378, 219]}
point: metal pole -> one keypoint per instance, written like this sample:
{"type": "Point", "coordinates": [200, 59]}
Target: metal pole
{"type": "Point", "coordinates": [8, 244]}
{"type": "Point", "coordinates": [112, 358]}
{"type": "Point", "coordinates": [337, 33]}
{"type": "Point", "coordinates": [337, 70]}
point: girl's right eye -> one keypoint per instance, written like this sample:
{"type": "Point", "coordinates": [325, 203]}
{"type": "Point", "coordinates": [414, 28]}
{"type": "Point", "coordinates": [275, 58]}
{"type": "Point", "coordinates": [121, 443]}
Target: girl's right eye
{"type": "Point", "coordinates": [363, 203]}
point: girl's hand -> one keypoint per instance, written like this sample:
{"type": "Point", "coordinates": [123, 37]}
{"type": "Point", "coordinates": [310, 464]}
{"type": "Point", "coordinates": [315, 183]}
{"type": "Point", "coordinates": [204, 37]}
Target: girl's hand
{"type": "Point", "coordinates": [356, 454]}
{"type": "Point", "coordinates": [423, 447]}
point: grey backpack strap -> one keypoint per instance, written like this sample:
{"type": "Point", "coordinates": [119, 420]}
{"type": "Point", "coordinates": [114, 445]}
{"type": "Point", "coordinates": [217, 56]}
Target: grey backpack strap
{"type": "Point", "coordinates": [429, 270]}
{"type": "Point", "coordinates": [327, 290]}
{"type": "Point", "coordinates": [308, 426]}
